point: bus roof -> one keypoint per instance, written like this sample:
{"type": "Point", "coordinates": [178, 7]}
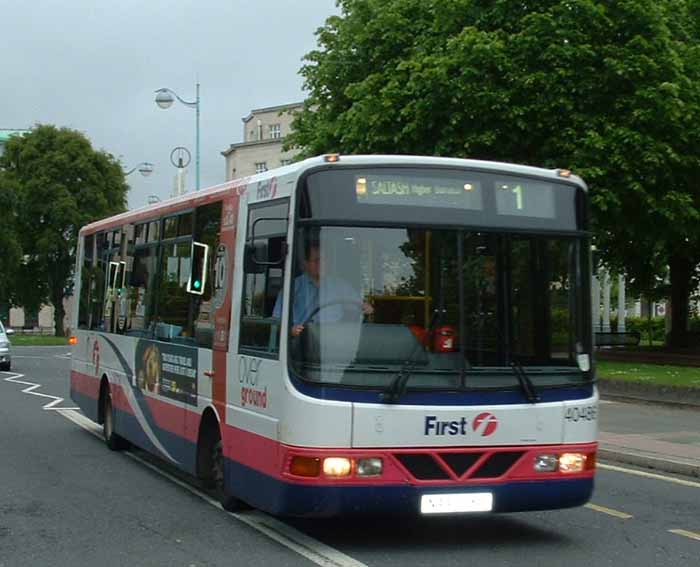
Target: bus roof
{"type": "Point", "coordinates": [207, 194]}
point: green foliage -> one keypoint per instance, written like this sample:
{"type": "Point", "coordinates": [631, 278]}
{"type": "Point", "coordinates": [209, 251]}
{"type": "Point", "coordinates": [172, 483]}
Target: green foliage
{"type": "Point", "coordinates": [59, 183]}
{"type": "Point", "coordinates": [608, 89]}
{"type": "Point", "coordinates": [642, 325]}
{"type": "Point", "coordinates": [10, 248]}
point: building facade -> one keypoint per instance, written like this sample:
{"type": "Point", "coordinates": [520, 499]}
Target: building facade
{"type": "Point", "coordinates": [264, 130]}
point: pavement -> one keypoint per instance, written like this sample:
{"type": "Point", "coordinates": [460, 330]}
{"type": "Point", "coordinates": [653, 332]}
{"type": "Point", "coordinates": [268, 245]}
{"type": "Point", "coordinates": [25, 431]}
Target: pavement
{"type": "Point", "coordinates": [665, 437]}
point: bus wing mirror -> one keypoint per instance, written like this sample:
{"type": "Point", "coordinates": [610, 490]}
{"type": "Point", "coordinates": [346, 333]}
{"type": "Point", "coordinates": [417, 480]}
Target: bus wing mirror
{"type": "Point", "coordinates": [256, 257]}
{"type": "Point", "coordinates": [269, 249]}
{"type": "Point", "coordinates": [197, 281]}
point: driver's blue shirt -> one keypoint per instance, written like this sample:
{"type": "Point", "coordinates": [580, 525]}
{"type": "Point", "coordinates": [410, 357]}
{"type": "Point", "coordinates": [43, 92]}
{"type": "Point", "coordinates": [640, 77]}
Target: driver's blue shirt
{"type": "Point", "coordinates": [307, 297]}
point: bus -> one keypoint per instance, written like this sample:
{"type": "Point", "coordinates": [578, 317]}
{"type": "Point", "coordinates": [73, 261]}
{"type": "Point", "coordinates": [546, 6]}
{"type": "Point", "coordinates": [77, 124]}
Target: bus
{"type": "Point", "coordinates": [351, 335]}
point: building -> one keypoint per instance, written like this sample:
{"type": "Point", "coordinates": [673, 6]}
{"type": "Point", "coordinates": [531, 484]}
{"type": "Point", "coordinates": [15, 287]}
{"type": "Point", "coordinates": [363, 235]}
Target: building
{"type": "Point", "coordinates": [264, 130]}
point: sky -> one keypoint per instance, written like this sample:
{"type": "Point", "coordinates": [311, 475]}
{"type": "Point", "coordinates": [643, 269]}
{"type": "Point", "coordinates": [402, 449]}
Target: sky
{"type": "Point", "coordinates": [93, 65]}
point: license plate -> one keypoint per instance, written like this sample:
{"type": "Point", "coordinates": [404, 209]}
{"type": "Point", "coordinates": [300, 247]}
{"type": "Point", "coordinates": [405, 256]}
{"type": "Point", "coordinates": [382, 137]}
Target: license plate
{"type": "Point", "coordinates": [455, 503]}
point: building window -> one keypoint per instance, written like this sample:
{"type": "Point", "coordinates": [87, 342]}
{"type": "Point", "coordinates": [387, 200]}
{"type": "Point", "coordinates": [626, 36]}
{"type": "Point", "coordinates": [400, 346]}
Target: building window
{"type": "Point", "coordinates": [284, 162]}
{"type": "Point", "coordinates": [275, 131]}
{"type": "Point", "coordinates": [260, 167]}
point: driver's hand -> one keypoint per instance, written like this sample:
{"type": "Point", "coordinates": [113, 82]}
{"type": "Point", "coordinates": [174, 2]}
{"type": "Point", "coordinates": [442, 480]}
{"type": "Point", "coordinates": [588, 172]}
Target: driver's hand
{"type": "Point", "coordinates": [297, 330]}
{"type": "Point", "coordinates": [367, 309]}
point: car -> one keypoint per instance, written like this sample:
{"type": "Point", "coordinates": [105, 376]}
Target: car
{"type": "Point", "coordinates": [5, 360]}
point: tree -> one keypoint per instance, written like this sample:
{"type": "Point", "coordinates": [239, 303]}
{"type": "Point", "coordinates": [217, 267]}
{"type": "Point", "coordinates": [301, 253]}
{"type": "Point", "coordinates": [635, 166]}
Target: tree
{"type": "Point", "coordinates": [11, 254]}
{"type": "Point", "coordinates": [60, 183]}
{"type": "Point", "coordinates": [609, 89]}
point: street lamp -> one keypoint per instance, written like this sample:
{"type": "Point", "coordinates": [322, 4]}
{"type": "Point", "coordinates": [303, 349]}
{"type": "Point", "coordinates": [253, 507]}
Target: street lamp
{"type": "Point", "coordinates": [164, 99]}
{"type": "Point", "coordinates": [145, 168]}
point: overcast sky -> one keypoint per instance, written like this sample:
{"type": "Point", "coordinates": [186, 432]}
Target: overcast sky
{"type": "Point", "coordinates": [93, 65]}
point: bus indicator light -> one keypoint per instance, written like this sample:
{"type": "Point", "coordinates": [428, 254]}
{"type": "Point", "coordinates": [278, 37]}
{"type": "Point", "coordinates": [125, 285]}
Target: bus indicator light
{"type": "Point", "coordinates": [337, 466]}
{"type": "Point", "coordinates": [361, 186]}
{"type": "Point", "coordinates": [468, 187]}
{"type": "Point", "coordinates": [305, 466]}
{"type": "Point", "coordinates": [73, 341]}
{"type": "Point", "coordinates": [331, 158]}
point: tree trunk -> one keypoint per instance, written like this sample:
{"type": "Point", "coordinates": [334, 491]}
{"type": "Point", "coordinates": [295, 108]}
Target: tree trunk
{"type": "Point", "coordinates": [58, 314]}
{"type": "Point", "coordinates": [681, 272]}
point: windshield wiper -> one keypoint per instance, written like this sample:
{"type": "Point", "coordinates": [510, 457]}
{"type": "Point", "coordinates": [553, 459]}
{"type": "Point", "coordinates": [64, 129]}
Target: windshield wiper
{"type": "Point", "coordinates": [525, 383]}
{"type": "Point", "coordinates": [397, 387]}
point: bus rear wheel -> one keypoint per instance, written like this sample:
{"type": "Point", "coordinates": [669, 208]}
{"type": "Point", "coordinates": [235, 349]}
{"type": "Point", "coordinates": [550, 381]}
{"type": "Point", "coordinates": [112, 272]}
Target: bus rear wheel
{"type": "Point", "coordinates": [114, 441]}
{"type": "Point", "coordinates": [228, 502]}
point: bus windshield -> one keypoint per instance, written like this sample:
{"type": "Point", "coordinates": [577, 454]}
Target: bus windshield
{"type": "Point", "coordinates": [458, 307]}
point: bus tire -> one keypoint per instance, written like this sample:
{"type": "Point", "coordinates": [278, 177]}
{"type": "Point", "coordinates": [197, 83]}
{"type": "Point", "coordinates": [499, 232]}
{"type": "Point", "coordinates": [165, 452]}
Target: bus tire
{"type": "Point", "coordinates": [114, 441]}
{"type": "Point", "coordinates": [228, 502]}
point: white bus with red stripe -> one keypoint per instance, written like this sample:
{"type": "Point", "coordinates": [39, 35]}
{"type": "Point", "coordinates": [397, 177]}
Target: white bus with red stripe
{"type": "Point", "coordinates": [351, 334]}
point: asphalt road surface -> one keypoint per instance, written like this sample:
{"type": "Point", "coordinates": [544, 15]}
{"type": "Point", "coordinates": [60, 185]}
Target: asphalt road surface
{"type": "Point", "coordinates": [65, 499]}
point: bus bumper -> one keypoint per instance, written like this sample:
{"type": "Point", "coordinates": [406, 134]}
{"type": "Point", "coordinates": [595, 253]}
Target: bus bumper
{"type": "Point", "coordinates": [283, 498]}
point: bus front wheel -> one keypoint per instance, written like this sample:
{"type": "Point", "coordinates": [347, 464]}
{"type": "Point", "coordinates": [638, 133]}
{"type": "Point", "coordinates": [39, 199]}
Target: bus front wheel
{"type": "Point", "coordinates": [228, 502]}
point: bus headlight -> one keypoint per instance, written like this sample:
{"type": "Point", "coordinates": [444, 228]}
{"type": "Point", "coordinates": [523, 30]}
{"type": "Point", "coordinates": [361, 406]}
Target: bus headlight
{"type": "Point", "coordinates": [546, 463]}
{"type": "Point", "coordinates": [572, 462]}
{"type": "Point", "coordinates": [337, 466]}
{"type": "Point", "coordinates": [369, 467]}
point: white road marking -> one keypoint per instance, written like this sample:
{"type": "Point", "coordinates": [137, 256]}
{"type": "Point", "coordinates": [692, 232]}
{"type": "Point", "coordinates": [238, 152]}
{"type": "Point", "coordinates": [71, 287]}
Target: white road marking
{"type": "Point", "coordinates": [609, 511]}
{"type": "Point", "coordinates": [38, 346]}
{"type": "Point", "coordinates": [649, 475]}
{"type": "Point", "coordinates": [686, 533]}
{"type": "Point", "coordinates": [308, 547]}
{"type": "Point", "coordinates": [31, 386]}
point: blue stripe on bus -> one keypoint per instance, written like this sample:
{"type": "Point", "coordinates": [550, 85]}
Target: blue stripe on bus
{"type": "Point", "coordinates": [434, 398]}
{"type": "Point", "coordinates": [287, 499]}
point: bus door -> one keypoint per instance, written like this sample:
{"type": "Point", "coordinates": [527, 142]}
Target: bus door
{"type": "Point", "coordinates": [257, 385]}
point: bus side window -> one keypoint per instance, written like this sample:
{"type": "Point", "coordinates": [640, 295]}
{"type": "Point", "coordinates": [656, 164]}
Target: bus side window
{"type": "Point", "coordinates": [86, 281]}
{"type": "Point", "coordinates": [207, 232]}
{"type": "Point", "coordinates": [172, 322]}
{"type": "Point", "coordinates": [98, 282]}
{"type": "Point", "coordinates": [141, 290]}
{"type": "Point", "coordinates": [263, 278]}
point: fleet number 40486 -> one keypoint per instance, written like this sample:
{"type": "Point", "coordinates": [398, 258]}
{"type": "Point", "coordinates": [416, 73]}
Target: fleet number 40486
{"type": "Point", "coordinates": [581, 413]}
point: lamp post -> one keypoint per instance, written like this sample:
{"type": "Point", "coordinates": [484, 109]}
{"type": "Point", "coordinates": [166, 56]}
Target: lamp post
{"type": "Point", "coordinates": [164, 99]}
{"type": "Point", "coordinates": [145, 168]}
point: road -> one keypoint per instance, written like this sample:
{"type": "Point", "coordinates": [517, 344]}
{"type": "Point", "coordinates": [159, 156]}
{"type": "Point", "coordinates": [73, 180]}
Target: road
{"type": "Point", "coordinates": [67, 500]}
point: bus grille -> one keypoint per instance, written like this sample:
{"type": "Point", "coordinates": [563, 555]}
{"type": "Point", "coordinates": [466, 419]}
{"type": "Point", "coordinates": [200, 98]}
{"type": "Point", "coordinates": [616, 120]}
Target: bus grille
{"type": "Point", "coordinates": [458, 465]}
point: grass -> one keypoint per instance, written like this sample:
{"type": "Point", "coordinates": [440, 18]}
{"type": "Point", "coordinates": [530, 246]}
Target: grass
{"type": "Point", "coordinates": [37, 340]}
{"type": "Point", "coordinates": [663, 375]}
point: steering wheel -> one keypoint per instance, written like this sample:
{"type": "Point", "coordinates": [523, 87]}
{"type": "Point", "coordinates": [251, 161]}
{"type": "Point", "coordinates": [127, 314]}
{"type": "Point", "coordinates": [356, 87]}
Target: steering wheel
{"type": "Point", "coordinates": [357, 304]}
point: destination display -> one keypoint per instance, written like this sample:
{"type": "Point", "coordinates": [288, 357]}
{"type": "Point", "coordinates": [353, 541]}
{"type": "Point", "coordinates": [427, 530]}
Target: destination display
{"type": "Point", "coordinates": [524, 198]}
{"type": "Point", "coordinates": [519, 197]}
{"type": "Point", "coordinates": [411, 191]}
{"type": "Point", "coordinates": [441, 197]}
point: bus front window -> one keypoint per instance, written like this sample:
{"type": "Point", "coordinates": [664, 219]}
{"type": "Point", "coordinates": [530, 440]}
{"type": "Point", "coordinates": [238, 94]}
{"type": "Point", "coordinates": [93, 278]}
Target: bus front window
{"type": "Point", "coordinates": [367, 302]}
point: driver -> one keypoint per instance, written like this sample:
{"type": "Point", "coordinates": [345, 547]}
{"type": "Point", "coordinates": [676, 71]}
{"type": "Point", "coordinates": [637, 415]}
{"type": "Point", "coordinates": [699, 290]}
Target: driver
{"type": "Point", "coordinates": [309, 286]}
